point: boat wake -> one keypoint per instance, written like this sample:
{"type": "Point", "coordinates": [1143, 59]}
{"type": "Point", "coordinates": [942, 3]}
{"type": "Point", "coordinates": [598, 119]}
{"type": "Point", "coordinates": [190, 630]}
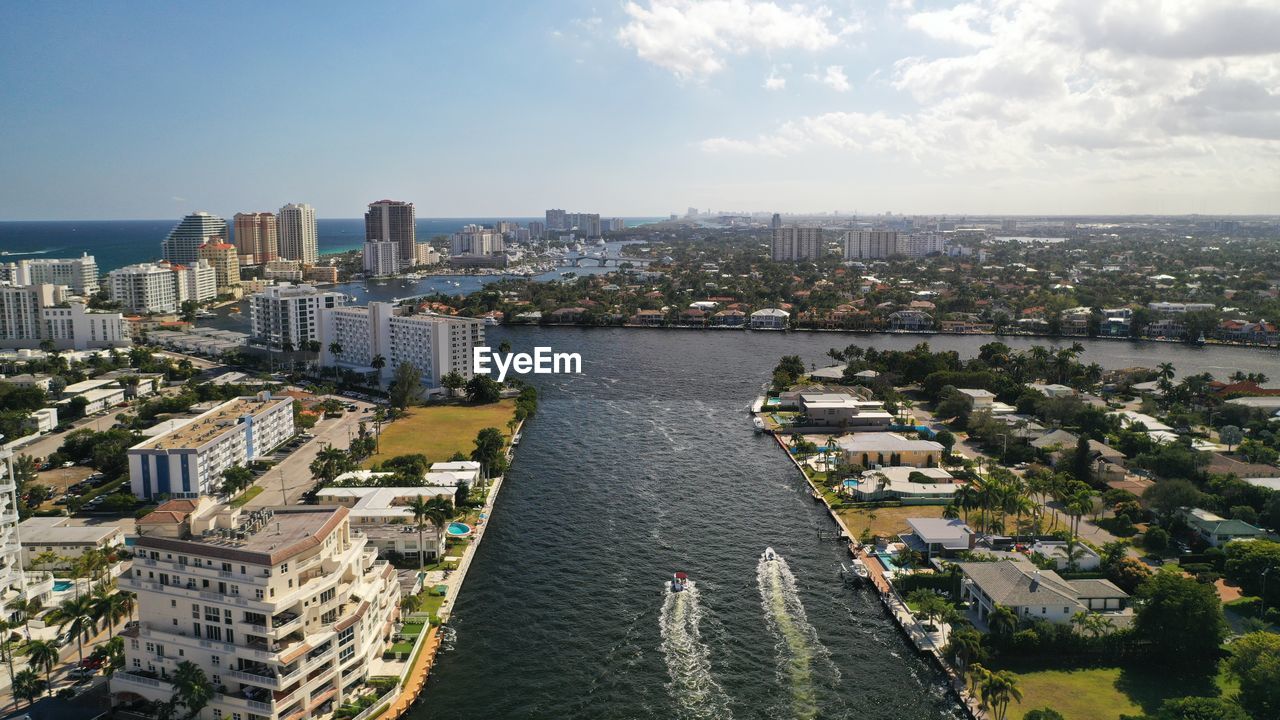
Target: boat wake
{"type": "Point", "coordinates": [696, 693]}
{"type": "Point", "coordinates": [799, 650]}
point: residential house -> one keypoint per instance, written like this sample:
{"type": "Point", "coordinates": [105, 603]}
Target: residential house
{"type": "Point", "coordinates": [939, 537]}
{"type": "Point", "coordinates": [1035, 594]}
{"type": "Point", "coordinates": [937, 487]}
{"type": "Point", "coordinates": [843, 410]}
{"type": "Point", "coordinates": [887, 448]}
{"type": "Point", "coordinates": [910, 321]}
{"type": "Point", "coordinates": [1217, 530]}
{"type": "Point", "coordinates": [770, 319]}
{"type": "Point", "coordinates": [1062, 554]}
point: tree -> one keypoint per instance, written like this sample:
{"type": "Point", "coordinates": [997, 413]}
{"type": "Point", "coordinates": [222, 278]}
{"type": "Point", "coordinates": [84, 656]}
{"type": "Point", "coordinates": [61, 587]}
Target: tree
{"type": "Point", "coordinates": [1168, 496]}
{"type": "Point", "coordinates": [1002, 621]}
{"type": "Point", "coordinates": [330, 462]}
{"type": "Point", "coordinates": [1128, 574]}
{"type": "Point", "coordinates": [433, 511]}
{"type": "Point", "coordinates": [1180, 618]}
{"type": "Point", "coordinates": [1081, 460]}
{"type": "Point", "coordinates": [191, 688]}
{"type": "Point", "coordinates": [236, 478]}
{"type": "Point", "coordinates": [1255, 660]}
{"type": "Point", "coordinates": [483, 389]}
{"type": "Point", "coordinates": [929, 605]}
{"type": "Point", "coordinates": [377, 363]}
{"type": "Point", "coordinates": [998, 690]}
{"type": "Point", "coordinates": [1201, 708]}
{"type": "Point", "coordinates": [490, 444]}
{"type": "Point", "coordinates": [78, 619]}
{"type": "Point", "coordinates": [1231, 435]}
{"type": "Point", "coordinates": [947, 441]}
{"type": "Point", "coordinates": [110, 607]}
{"type": "Point", "coordinates": [1247, 561]}
{"type": "Point", "coordinates": [453, 382]}
{"type": "Point", "coordinates": [406, 383]}
{"type": "Point", "coordinates": [111, 653]}
{"type": "Point", "coordinates": [43, 654]}
{"type": "Point", "coordinates": [1156, 540]}
{"type": "Point", "coordinates": [964, 646]}
{"type": "Point", "coordinates": [1043, 714]}
{"type": "Point", "coordinates": [28, 685]}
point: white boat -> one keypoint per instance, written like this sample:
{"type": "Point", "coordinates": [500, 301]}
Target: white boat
{"type": "Point", "coordinates": [515, 440]}
{"type": "Point", "coordinates": [860, 569]}
{"type": "Point", "coordinates": [770, 555]}
{"type": "Point", "coordinates": [758, 423]}
{"type": "Point", "coordinates": [679, 581]}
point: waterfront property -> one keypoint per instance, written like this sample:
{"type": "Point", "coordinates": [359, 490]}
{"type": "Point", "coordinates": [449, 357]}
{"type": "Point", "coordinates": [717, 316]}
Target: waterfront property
{"type": "Point", "coordinates": [930, 486]}
{"type": "Point", "coordinates": [441, 431]}
{"type": "Point", "coordinates": [188, 461]}
{"type": "Point", "coordinates": [886, 448]}
{"type": "Point", "coordinates": [843, 411]}
{"type": "Point", "coordinates": [284, 610]}
{"type": "Point", "coordinates": [939, 537]}
{"type": "Point", "coordinates": [382, 514]}
{"type": "Point", "coordinates": [1032, 593]}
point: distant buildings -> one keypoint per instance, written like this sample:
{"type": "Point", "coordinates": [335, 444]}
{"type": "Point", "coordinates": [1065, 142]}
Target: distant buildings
{"type": "Point", "coordinates": [281, 269]}
{"type": "Point", "coordinates": [225, 260]}
{"type": "Point", "coordinates": [257, 237]}
{"type": "Point", "coordinates": [556, 220]}
{"type": "Point", "coordinates": [790, 244]}
{"type": "Point", "coordinates": [144, 288]}
{"type": "Point", "coordinates": [30, 314]}
{"type": "Point", "coordinates": [297, 228]}
{"type": "Point", "coordinates": [392, 220]}
{"type": "Point", "coordinates": [871, 244]}
{"type": "Point", "coordinates": [424, 254]}
{"type": "Point", "coordinates": [182, 246]}
{"type": "Point", "coordinates": [770, 319]}
{"type": "Point", "coordinates": [776, 221]}
{"type": "Point", "coordinates": [382, 257]}
{"type": "Point", "coordinates": [188, 461]}
{"type": "Point", "coordinates": [587, 224]}
{"type": "Point", "coordinates": [477, 240]}
{"type": "Point", "coordinates": [286, 316]}
{"type": "Point", "coordinates": [80, 275]}
{"type": "Point", "coordinates": [351, 337]}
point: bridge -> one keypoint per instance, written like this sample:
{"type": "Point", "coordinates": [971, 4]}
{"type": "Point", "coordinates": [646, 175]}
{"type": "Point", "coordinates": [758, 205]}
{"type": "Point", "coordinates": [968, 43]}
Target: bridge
{"type": "Point", "coordinates": [601, 260]}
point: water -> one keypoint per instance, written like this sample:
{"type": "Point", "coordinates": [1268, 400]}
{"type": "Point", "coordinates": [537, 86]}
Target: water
{"type": "Point", "coordinates": [644, 465]}
{"type": "Point", "coordinates": [116, 243]}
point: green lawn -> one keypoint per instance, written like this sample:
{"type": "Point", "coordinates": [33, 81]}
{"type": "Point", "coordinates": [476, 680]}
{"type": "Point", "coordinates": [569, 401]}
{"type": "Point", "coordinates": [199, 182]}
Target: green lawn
{"type": "Point", "coordinates": [886, 521]}
{"type": "Point", "coordinates": [441, 430]}
{"type": "Point", "coordinates": [244, 497]}
{"type": "Point", "coordinates": [1105, 693]}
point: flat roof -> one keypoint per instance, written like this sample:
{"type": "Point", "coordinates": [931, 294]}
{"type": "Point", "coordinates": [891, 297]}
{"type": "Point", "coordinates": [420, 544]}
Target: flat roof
{"type": "Point", "coordinates": [211, 424]}
{"type": "Point", "coordinates": [56, 531]}
{"type": "Point", "coordinates": [291, 530]}
{"type": "Point", "coordinates": [884, 442]}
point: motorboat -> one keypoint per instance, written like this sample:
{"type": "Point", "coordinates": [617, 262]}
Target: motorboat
{"type": "Point", "coordinates": [860, 569]}
{"type": "Point", "coordinates": [679, 581]}
{"type": "Point", "coordinates": [758, 423]}
{"type": "Point", "coordinates": [770, 555]}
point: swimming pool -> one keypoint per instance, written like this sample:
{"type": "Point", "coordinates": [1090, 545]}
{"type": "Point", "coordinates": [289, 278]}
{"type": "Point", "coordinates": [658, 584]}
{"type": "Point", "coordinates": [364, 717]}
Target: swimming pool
{"type": "Point", "coordinates": [458, 529]}
{"type": "Point", "coordinates": [62, 585]}
{"type": "Point", "coordinates": [887, 560]}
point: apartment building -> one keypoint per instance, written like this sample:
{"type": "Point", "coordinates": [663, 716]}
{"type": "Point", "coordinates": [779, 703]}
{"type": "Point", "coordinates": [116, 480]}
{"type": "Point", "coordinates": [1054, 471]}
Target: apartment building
{"type": "Point", "coordinates": [15, 584]}
{"type": "Point", "coordinates": [872, 244]}
{"type": "Point", "coordinates": [435, 344]}
{"type": "Point", "coordinates": [257, 237]}
{"type": "Point", "coordinates": [392, 220]}
{"type": "Point", "coordinates": [79, 275]}
{"type": "Point", "coordinates": [197, 282]}
{"type": "Point", "coordinates": [381, 257]}
{"type": "Point", "coordinates": [287, 315]}
{"type": "Point", "coordinates": [225, 260]}
{"type": "Point", "coordinates": [296, 225]}
{"type": "Point", "coordinates": [182, 246]}
{"type": "Point", "coordinates": [32, 313]}
{"type": "Point", "coordinates": [790, 244]}
{"type": "Point", "coordinates": [188, 461]}
{"type": "Point", "coordinates": [284, 610]}
{"type": "Point", "coordinates": [476, 240]}
{"type": "Point", "coordinates": [144, 288]}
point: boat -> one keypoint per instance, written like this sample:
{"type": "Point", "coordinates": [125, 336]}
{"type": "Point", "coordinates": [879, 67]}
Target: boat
{"type": "Point", "coordinates": [1200, 340]}
{"type": "Point", "coordinates": [758, 423]}
{"type": "Point", "coordinates": [679, 581]}
{"type": "Point", "coordinates": [770, 555]}
{"type": "Point", "coordinates": [515, 440]}
{"type": "Point", "coordinates": [860, 569]}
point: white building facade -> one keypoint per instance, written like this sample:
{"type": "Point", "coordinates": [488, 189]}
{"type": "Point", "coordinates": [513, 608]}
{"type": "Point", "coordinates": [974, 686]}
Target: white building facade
{"type": "Point", "coordinates": [296, 225]}
{"type": "Point", "coordinates": [144, 288]}
{"type": "Point", "coordinates": [288, 315]}
{"type": "Point", "coordinates": [435, 344]}
{"type": "Point", "coordinates": [79, 275]}
{"type": "Point", "coordinates": [381, 257]}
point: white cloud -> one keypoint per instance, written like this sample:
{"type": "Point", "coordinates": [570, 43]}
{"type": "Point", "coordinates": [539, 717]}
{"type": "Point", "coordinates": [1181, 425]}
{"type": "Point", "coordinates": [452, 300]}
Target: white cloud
{"type": "Point", "coordinates": [775, 81]}
{"type": "Point", "coordinates": [694, 39]}
{"type": "Point", "coordinates": [835, 78]}
{"type": "Point", "coordinates": [1073, 89]}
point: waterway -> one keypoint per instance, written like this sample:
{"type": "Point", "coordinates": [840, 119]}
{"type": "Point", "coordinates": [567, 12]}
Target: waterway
{"type": "Point", "coordinates": [644, 465]}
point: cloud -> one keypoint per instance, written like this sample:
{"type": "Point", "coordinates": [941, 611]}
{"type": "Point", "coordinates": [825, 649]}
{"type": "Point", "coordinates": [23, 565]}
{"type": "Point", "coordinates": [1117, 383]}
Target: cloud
{"type": "Point", "coordinates": [1058, 88]}
{"type": "Point", "coordinates": [694, 39]}
{"type": "Point", "coordinates": [835, 78]}
{"type": "Point", "coordinates": [775, 81]}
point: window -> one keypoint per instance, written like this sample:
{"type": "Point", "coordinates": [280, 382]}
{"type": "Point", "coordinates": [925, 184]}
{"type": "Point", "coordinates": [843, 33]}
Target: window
{"type": "Point", "coordinates": [284, 568]}
{"type": "Point", "coordinates": [346, 636]}
{"type": "Point", "coordinates": [213, 632]}
{"type": "Point", "coordinates": [215, 660]}
{"type": "Point", "coordinates": [346, 653]}
{"type": "Point", "coordinates": [235, 589]}
{"type": "Point", "coordinates": [197, 629]}
{"type": "Point", "coordinates": [226, 567]}
{"type": "Point", "coordinates": [195, 611]}
{"type": "Point", "coordinates": [217, 714]}
{"type": "Point", "coordinates": [257, 592]}
{"type": "Point", "coordinates": [137, 663]}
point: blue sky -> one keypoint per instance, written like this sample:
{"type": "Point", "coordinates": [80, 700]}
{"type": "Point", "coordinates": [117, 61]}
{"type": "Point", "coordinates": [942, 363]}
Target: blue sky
{"type": "Point", "coordinates": [150, 110]}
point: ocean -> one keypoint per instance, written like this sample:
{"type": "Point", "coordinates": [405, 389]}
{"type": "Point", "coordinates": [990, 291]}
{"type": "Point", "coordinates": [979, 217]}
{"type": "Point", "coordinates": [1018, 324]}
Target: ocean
{"type": "Point", "coordinates": [116, 243]}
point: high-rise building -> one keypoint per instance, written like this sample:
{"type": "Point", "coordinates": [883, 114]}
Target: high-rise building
{"type": "Point", "coordinates": [144, 288]}
{"type": "Point", "coordinates": [476, 240]}
{"type": "Point", "coordinates": [382, 257]}
{"type": "Point", "coordinates": [197, 282]}
{"type": "Point", "coordinates": [537, 229]}
{"type": "Point", "coordinates": [284, 610]}
{"type": "Point", "coordinates": [776, 222]}
{"type": "Point", "coordinates": [924, 244]}
{"type": "Point", "coordinates": [297, 228]}
{"type": "Point", "coordinates": [588, 224]}
{"type": "Point", "coordinates": [30, 314]}
{"type": "Point", "coordinates": [15, 583]}
{"type": "Point", "coordinates": [435, 344]}
{"type": "Point", "coordinates": [797, 243]}
{"type": "Point", "coordinates": [872, 244]}
{"type": "Point", "coordinates": [287, 315]}
{"type": "Point", "coordinates": [182, 246]}
{"type": "Point", "coordinates": [258, 235]}
{"type": "Point", "coordinates": [424, 254]}
{"type": "Point", "coordinates": [225, 260]}
{"type": "Point", "coordinates": [392, 220]}
{"type": "Point", "coordinates": [556, 220]}
{"type": "Point", "coordinates": [80, 275]}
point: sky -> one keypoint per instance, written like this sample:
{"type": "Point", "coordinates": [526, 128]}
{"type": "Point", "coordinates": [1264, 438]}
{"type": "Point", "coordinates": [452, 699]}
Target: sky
{"type": "Point", "coordinates": [133, 110]}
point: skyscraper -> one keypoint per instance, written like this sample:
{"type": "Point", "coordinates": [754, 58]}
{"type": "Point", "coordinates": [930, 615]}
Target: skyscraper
{"type": "Point", "coordinates": [297, 228]}
{"type": "Point", "coordinates": [871, 244]}
{"type": "Point", "coordinates": [776, 222]}
{"type": "Point", "coordinates": [225, 261]}
{"type": "Point", "coordinates": [257, 235]}
{"type": "Point", "coordinates": [392, 220]}
{"type": "Point", "coordinates": [556, 220]}
{"type": "Point", "coordinates": [182, 246]}
{"type": "Point", "coordinates": [797, 243]}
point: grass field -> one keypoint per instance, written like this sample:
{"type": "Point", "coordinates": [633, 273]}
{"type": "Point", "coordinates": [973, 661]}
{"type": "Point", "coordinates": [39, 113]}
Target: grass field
{"type": "Point", "coordinates": [244, 497]}
{"type": "Point", "coordinates": [1105, 693]}
{"type": "Point", "coordinates": [886, 521]}
{"type": "Point", "coordinates": [441, 430]}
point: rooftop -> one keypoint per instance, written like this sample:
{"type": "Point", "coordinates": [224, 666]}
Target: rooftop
{"type": "Point", "coordinates": [884, 442]}
{"type": "Point", "coordinates": [213, 423]}
{"type": "Point", "coordinates": [56, 531]}
{"type": "Point", "coordinates": [264, 537]}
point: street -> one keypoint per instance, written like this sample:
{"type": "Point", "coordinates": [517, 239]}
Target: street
{"type": "Point", "coordinates": [295, 471]}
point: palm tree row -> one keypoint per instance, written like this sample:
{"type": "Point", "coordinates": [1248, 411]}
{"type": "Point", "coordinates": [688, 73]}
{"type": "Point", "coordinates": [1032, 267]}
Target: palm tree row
{"type": "Point", "coordinates": [995, 690]}
{"type": "Point", "coordinates": [1001, 494]}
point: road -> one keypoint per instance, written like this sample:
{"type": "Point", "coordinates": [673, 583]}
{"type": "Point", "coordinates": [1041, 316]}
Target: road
{"type": "Point", "coordinates": [296, 469]}
{"type": "Point", "coordinates": [105, 420]}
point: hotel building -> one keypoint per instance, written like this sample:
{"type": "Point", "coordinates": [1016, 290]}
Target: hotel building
{"type": "Point", "coordinates": [392, 220]}
{"type": "Point", "coordinates": [182, 246]}
{"type": "Point", "coordinates": [435, 344]}
{"type": "Point", "coordinates": [188, 461]}
{"type": "Point", "coordinates": [80, 275]}
{"type": "Point", "coordinates": [287, 314]}
{"type": "Point", "coordinates": [296, 225]}
{"type": "Point", "coordinates": [285, 610]}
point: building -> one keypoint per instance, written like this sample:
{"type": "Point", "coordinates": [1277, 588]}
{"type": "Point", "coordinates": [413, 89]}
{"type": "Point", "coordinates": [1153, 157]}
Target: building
{"type": "Point", "coordinates": [1064, 554]}
{"type": "Point", "coordinates": [1218, 531]}
{"type": "Point", "coordinates": [872, 244]}
{"type": "Point", "coordinates": [770, 319]}
{"type": "Point", "coordinates": [910, 321]}
{"type": "Point", "coordinates": [257, 235]}
{"type": "Point", "coordinates": [296, 225]}
{"type": "Point", "coordinates": [285, 610]}
{"type": "Point", "coordinates": [587, 224]}
{"type": "Point", "coordinates": [182, 246]}
{"type": "Point", "coordinates": [844, 411]}
{"type": "Point", "coordinates": [225, 260]}
{"type": "Point", "coordinates": [939, 537]}
{"type": "Point", "coordinates": [98, 394]}
{"type": "Point", "coordinates": [981, 400]}
{"type": "Point", "coordinates": [930, 486]}
{"type": "Point", "coordinates": [197, 282]}
{"type": "Point", "coordinates": [392, 220]}
{"type": "Point", "coordinates": [790, 244]}
{"type": "Point", "coordinates": [145, 288]}
{"type": "Point", "coordinates": [188, 461]}
{"type": "Point", "coordinates": [79, 275]}
{"type": "Point", "coordinates": [57, 535]}
{"type": "Point", "coordinates": [476, 240]}
{"type": "Point", "coordinates": [435, 344]}
{"type": "Point", "coordinates": [537, 229]}
{"type": "Point", "coordinates": [320, 274]}
{"type": "Point", "coordinates": [42, 420]}
{"type": "Point", "coordinates": [384, 516]}
{"type": "Point", "coordinates": [30, 314]}
{"type": "Point", "coordinates": [286, 316]}
{"type": "Point", "coordinates": [776, 221]}
{"type": "Point", "coordinates": [556, 220]}
{"type": "Point", "coordinates": [1035, 594]}
{"type": "Point", "coordinates": [381, 257]}
{"type": "Point", "coordinates": [887, 448]}
{"type": "Point", "coordinates": [281, 269]}
{"type": "Point", "coordinates": [15, 583]}
{"type": "Point", "coordinates": [424, 254]}
{"type": "Point", "coordinates": [920, 244]}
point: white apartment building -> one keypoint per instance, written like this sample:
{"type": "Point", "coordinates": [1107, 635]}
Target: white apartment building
{"type": "Point", "coordinates": [197, 282]}
{"type": "Point", "coordinates": [925, 244]}
{"type": "Point", "coordinates": [289, 314]}
{"type": "Point", "coordinates": [476, 240]}
{"type": "Point", "coordinates": [79, 275]}
{"type": "Point", "coordinates": [797, 243]}
{"type": "Point", "coordinates": [872, 244]}
{"type": "Point", "coordinates": [284, 610]}
{"type": "Point", "coordinates": [296, 227]}
{"type": "Point", "coordinates": [57, 535]}
{"type": "Point", "coordinates": [145, 288]}
{"type": "Point", "coordinates": [182, 246]}
{"type": "Point", "coordinates": [33, 313]}
{"type": "Point", "coordinates": [381, 257]}
{"type": "Point", "coordinates": [15, 584]}
{"type": "Point", "coordinates": [188, 461]}
{"type": "Point", "coordinates": [424, 254]}
{"type": "Point", "coordinates": [382, 514]}
{"type": "Point", "coordinates": [435, 344]}
{"type": "Point", "coordinates": [279, 269]}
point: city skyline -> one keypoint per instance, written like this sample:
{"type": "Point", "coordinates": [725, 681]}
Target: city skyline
{"type": "Point", "coordinates": [644, 108]}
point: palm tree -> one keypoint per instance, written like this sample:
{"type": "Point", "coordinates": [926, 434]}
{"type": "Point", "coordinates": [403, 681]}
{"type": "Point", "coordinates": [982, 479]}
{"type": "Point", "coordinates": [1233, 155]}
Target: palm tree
{"type": "Point", "coordinates": [28, 686]}
{"type": "Point", "coordinates": [78, 618]}
{"type": "Point", "coordinates": [951, 512]}
{"type": "Point", "coordinates": [434, 511]}
{"type": "Point", "coordinates": [335, 348]}
{"type": "Point", "coordinates": [43, 654]}
{"type": "Point", "coordinates": [998, 690]}
{"type": "Point", "coordinates": [27, 609]}
{"type": "Point", "coordinates": [110, 607]}
{"type": "Point", "coordinates": [377, 363]}
{"type": "Point", "coordinates": [1002, 621]}
{"type": "Point", "coordinates": [191, 687]}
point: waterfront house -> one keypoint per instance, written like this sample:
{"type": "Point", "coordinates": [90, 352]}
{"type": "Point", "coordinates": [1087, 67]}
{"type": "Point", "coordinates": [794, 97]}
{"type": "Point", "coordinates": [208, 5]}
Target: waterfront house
{"type": "Point", "coordinates": [1035, 594]}
{"type": "Point", "coordinates": [1056, 550]}
{"type": "Point", "coordinates": [984, 400]}
{"type": "Point", "coordinates": [931, 486]}
{"type": "Point", "coordinates": [910, 321]}
{"type": "Point", "coordinates": [886, 448]}
{"type": "Point", "coordinates": [1053, 390]}
{"type": "Point", "coordinates": [568, 315]}
{"type": "Point", "coordinates": [729, 318]}
{"type": "Point", "coordinates": [1217, 530]}
{"type": "Point", "coordinates": [939, 537]}
{"type": "Point", "coordinates": [694, 317]}
{"type": "Point", "coordinates": [834, 373]}
{"type": "Point", "coordinates": [649, 318]}
{"type": "Point", "coordinates": [770, 319]}
{"type": "Point", "coordinates": [843, 410]}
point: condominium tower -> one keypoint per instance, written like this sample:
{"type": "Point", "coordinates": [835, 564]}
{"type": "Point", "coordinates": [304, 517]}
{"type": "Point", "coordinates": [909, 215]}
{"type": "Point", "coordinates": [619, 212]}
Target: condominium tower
{"type": "Point", "coordinates": [297, 228]}
{"type": "Point", "coordinates": [392, 220]}
{"type": "Point", "coordinates": [872, 244]}
{"type": "Point", "coordinates": [257, 235]}
{"type": "Point", "coordinates": [286, 316]}
{"type": "Point", "coordinates": [435, 344]}
{"type": "Point", "coordinates": [80, 275]}
{"type": "Point", "coordinates": [797, 243]}
{"type": "Point", "coordinates": [182, 246]}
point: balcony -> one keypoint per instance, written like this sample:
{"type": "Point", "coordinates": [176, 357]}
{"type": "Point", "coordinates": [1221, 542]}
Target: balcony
{"type": "Point", "coordinates": [263, 676]}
